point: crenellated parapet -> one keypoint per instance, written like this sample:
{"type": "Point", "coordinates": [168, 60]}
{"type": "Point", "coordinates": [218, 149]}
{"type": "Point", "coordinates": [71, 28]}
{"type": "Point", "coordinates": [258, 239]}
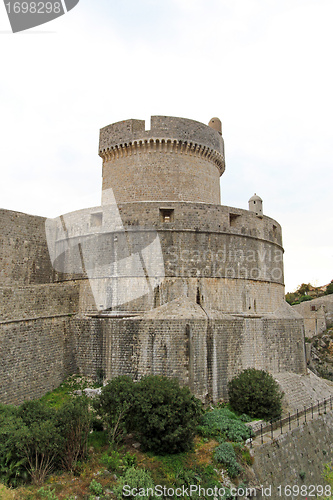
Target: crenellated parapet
{"type": "Point", "coordinates": [162, 127]}
{"type": "Point", "coordinates": [183, 160]}
{"type": "Point", "coordinates": [125, 150]}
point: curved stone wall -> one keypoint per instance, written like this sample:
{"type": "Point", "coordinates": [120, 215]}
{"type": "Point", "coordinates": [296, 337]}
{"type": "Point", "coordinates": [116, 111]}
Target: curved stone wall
{"type": "Point", "coordinates": [223, 258]}
{"type": "Point", "coordinates": [176, 160]}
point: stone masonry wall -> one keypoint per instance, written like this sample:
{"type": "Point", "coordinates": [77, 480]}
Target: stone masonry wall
{"type": "Point", "coordinates": [156, 164]}
{"type": "Point", "coordinates": [201, 350]}
{"type": "Point", "coordinates": [24, 256]}
{"type": "Point", "coordinates": [168, 175]}
{"type": "Point", "coordinates": [168, 127]}
{"type": "Point", "coordinates": [304, 449]}
{"type": "Point", "coordinates": [36, 301]}
{"type": "Point", "coordinates": [317, 314]}
{"type": "Point", "coordinates": [36, 356]}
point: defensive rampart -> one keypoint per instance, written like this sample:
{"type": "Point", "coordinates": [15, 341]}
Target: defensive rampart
{"type": "Point", "coordinates": [176, 160]}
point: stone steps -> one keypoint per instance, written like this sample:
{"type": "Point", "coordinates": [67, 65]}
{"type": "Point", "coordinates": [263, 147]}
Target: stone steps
{"type": "Point", "coordinates": [303, 390]}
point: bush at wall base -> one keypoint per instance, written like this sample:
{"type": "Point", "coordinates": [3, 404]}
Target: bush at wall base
{"type": "Point", "coordinates": [256, 393]}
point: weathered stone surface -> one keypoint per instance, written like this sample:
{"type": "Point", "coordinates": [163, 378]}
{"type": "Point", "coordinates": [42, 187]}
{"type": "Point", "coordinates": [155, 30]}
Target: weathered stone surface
{"type": "Point", "coordinates": [284, 461]}
{"type": "Point", "coordinates": [218, 306]}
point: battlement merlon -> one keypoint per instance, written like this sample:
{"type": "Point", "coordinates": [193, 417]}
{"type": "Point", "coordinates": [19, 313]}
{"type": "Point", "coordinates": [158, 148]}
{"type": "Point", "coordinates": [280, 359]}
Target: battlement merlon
{"type": "Point", "coordinates": [164, 129]}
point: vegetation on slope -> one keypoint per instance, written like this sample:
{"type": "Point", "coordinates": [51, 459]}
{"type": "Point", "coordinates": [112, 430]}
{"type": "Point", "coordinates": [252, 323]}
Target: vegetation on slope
{"type": "Point", "coordinates": [306, 291]}
{"type": "Point", "coordinates": [75, 459]}
{"type": "Point", "coordinates": [322, 354]}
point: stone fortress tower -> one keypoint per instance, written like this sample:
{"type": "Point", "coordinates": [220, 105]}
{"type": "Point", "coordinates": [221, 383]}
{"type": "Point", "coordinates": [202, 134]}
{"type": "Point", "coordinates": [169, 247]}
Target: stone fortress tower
{"type": "Point", "coordinates": [161, 278]}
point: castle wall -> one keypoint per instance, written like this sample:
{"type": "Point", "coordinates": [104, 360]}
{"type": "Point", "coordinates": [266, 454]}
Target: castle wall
{"type": "Point", "coordinates": [156, 164]}
{"type": "Point", "coordinates": [168, 177]}
{"type": "Point", "coordinates": [24, 255]}
{"type": "Point", "coordinates": [38, 301]}
{"type": "Point", "coordinates": [201, 352]}
{"type": "Point", "coordinates": [230, 257]}
{"type": "Point", "coordinates": [169, 127]}
{"type": "Point", "coordinates": [317, 314]}
{"type": "Point", "coordinates": [36, 356]}
{"type": "Point", "coordinates": [37, 350]}
{"type": "Point", "coordinates": [305, 449]}
{"type": "Point", "coordinates": [235, 296]}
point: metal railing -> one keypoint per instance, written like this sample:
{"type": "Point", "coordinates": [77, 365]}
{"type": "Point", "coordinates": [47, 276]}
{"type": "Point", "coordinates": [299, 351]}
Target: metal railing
{"type": "Point", "coordinates": [285, 423]}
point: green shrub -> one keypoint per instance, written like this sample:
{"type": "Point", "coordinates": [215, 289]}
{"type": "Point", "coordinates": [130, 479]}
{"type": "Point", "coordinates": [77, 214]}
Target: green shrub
{"type": "Point", "coordinates": [129, 460]}
{"type": "Point", "coordinates": [115, 406]}
{"type": "Point", "coordinates": [305, 298]}
{"type": "Point", "coordinates": [39, 444]}
{"type": "Point", "coordinates": [135, 478]}
{"type": "Point", "coordinates": [12, 463]}
{"type": "Point", "coordinates": [96, 488]}
{"type": "Point", "coordinates": [223, 422]}
{"type": "Point", "coordinates": [245, 418]}
{"type": "Point", "coordinates": [225, 454]}
{"type": "Point", "coordinates": [112, 460]}
{"type": "Point", "coordinates": [34, 439]}
{"type": "Point", "coordinates": [74, 425]}
{"type": "Point", "coordinates": [48, 494]}
{"type": "Point", "coordinates": [256, 393]}
{"type": "Point", "coordinates": [28, 441]}
{"type": "Point", "coordinates": [32, 412]}
{"type": "Point", "coordinates": [166, 415]}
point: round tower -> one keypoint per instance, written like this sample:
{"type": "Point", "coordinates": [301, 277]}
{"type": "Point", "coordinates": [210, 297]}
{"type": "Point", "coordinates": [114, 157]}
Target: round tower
{"type": "Point", "coordinates": [170, 281]}
{"type": "Point", "coordinates": [176, 160]}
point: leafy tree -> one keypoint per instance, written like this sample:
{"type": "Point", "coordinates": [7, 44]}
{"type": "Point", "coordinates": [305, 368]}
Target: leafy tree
{"type": "Point", "coordinates": [255, 393]}
{"type": "Point", "coordinates": [291, 297]}
{"type": "Point", "coordinates": [115, 405]}
{"type": "Point", "coordinates": [304, 288]}
{"type": "Point", "coordinates": [74, 425]}
{"type": "Point", "coordinates": [329, 288]}
{"type": "Point", "coordinates": [39, 444]}
{"type": "Point", "coordinates": [12, 463]}
{"type": "Point", "coordinates": [166, 415]}
{"type": "Point", "coordinates": [35, 411]}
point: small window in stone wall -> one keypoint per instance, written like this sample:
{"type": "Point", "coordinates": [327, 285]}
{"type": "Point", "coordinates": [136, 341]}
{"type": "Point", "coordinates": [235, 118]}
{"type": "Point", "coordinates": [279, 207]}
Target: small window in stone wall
{"type": "Point", "coordinates": [166, 214]}
{"type": "Point", "coordinates": [313, 308]}
{"type": "Point", "coordinates": [233, 219]}
{"type": "Point", "coordinates": [96, 220]}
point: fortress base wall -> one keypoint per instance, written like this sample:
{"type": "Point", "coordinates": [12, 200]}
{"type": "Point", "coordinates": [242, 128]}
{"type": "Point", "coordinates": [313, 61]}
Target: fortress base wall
{"type": "Point", "coordinates": [201, 352]}
{"type": "Point", "coordinates": [37, 350]}
{"type": "Point", "coordinates": [36, 356]}
{"type": "Point", "coordinates": [234, 296]}
{"type": "Point", "coordinates": [24, 255]}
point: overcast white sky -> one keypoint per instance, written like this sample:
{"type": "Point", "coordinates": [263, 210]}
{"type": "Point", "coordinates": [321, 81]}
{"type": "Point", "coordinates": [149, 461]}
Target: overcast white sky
{"type": "Point", "coordinates": [264, 67]}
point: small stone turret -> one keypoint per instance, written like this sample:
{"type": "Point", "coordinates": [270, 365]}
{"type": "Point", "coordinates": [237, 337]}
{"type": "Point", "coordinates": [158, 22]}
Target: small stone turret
{"type": "Point", "coordinates": [216, 124]}
{"type": "Point", "coordinates": [255, 205]}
